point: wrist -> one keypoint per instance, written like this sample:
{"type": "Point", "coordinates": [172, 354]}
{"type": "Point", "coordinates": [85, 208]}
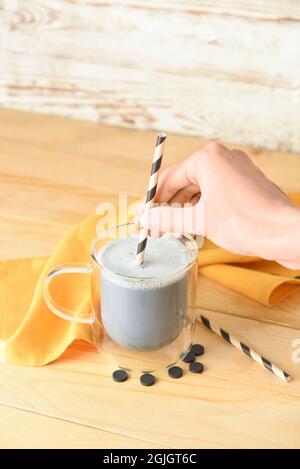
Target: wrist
{"type": "Point", "coordinates": [285, 242]}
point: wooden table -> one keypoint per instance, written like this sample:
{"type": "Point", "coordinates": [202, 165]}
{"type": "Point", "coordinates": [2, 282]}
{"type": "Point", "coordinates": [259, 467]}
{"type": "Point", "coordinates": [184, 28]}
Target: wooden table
{"type": "Point", "coordinates": [53, 172]}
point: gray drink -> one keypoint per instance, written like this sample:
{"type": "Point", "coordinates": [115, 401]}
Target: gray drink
{"type": "Point", "coordinates": [144, 307]}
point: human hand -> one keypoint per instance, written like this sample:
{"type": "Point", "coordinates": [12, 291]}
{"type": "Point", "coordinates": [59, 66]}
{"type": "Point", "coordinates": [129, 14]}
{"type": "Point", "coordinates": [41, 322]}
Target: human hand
{"type": "Point", "coordinates": [221, 194]}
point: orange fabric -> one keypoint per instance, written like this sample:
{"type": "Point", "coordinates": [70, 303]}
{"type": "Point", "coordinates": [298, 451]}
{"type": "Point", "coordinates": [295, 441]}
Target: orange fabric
{"type": "Point", "coordinates": [35, 336]}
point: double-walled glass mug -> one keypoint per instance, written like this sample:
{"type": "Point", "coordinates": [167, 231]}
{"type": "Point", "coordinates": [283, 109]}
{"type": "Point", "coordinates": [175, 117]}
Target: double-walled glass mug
{"type": "Point", "coordinates": [140, 323]}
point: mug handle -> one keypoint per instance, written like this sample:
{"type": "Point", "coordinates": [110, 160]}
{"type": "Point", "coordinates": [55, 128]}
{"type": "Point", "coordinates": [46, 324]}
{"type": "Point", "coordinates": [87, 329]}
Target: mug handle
{"type": "Point", "coordinates": [60, 311]}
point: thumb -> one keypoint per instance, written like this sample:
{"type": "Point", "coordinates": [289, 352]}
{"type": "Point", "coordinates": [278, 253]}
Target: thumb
{"type": "Point", "coordinates": [175, 219]}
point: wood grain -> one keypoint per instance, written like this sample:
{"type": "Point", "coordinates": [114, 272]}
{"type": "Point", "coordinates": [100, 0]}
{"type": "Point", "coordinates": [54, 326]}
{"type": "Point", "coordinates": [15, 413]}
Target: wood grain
{"type": "Point", "coordinates": [225, 70]}
{"type": "Point", "coordinates": [53, 172]}
{"type": "Point", "coordinates": [50, 432]}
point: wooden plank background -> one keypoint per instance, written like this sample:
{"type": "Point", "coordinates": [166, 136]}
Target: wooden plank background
{"type": "Point", "coordinates": [216, 69]}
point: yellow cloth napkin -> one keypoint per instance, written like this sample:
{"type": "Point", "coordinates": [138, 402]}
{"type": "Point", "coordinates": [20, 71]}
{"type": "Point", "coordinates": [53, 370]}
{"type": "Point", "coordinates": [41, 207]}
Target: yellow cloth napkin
{"type": "Point", "coordinates": [35, 336]}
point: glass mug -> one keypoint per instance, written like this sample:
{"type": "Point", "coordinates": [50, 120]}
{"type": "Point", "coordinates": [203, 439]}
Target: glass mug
{"type": "Point", "coordinates": [139, 324]}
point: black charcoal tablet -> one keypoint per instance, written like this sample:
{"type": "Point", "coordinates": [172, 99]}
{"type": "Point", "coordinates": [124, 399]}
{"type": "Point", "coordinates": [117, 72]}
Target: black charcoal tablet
{"type": "Point", "coordinates": [189, 357]}
{"type": "Point", "coordinates": [120, 376]}
{"type": "Point", "coordinates": [147, 379]}
{"type": "Point", "coordinates": [198, 349]}
{"type": "Point", "coordinates": [175, 372]}
{"type": "Point", "coordinates": [196, 367]}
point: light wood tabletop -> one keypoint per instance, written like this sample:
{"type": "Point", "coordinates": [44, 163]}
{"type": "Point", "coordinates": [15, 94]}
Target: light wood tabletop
{"type": "Point", "coordinates": [53, 173]}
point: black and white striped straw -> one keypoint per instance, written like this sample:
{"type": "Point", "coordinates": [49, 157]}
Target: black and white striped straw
{"type": "Point", "coordinates": [156, 164]}
{"type": "Point", "coordinates": [246, 349]}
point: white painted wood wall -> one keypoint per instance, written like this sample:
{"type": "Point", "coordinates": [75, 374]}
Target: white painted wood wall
{"type": "Point", "coordinates": [220, 69]}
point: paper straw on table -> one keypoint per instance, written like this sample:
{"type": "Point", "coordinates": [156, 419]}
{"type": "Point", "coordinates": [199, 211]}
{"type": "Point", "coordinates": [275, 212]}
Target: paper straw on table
{"type": "Point", "coordinates": [246, 349]}
{"type": "Point", "coordinates": [156, 163]}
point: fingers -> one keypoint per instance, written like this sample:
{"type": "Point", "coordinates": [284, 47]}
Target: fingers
{"type": "Point", "coordinates": [188, 219]}
{"type": "Point", "coordinates": [185, 195]}
{"type": "Point", "coordinates": [180, 183]}
{"type": "Point", "coordinates": [188, 194]}
{"type": "Point", "coordinates": [186, 173]}
{"type": "Point", "coordinates": [138, 214]}
{"type": "Point", "coordinates": [174, 185]}
{"type": "Point", "coordinates": [195, 199]}
{"type": "Point", "coordinates": [175, 178]}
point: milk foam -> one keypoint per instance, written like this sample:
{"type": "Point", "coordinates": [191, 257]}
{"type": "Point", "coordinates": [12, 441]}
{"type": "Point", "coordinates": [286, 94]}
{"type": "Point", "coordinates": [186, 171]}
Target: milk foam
{"type": "Point", "coordinates": [165, 258]}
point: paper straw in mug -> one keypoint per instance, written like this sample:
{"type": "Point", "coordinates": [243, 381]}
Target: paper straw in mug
{"type": "Point", "coordinates": [156, 163]}
{"type": "Point", "coordinates": [246, 349]}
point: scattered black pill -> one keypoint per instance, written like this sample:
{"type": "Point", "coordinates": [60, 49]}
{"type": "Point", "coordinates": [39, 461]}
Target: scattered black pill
{"type": "Point", "coordinates": [196, 367]}
{"type": "Point", "coordinates": [147, 379]}
{"type": "Point", "coordinates": [189, 357]}
{"type": "Point", "coordinates": [120, 376]}
{"type": "Point", "coordinates": [175, 372]}
{"type": "Point", "coordinates": [198, 349]}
